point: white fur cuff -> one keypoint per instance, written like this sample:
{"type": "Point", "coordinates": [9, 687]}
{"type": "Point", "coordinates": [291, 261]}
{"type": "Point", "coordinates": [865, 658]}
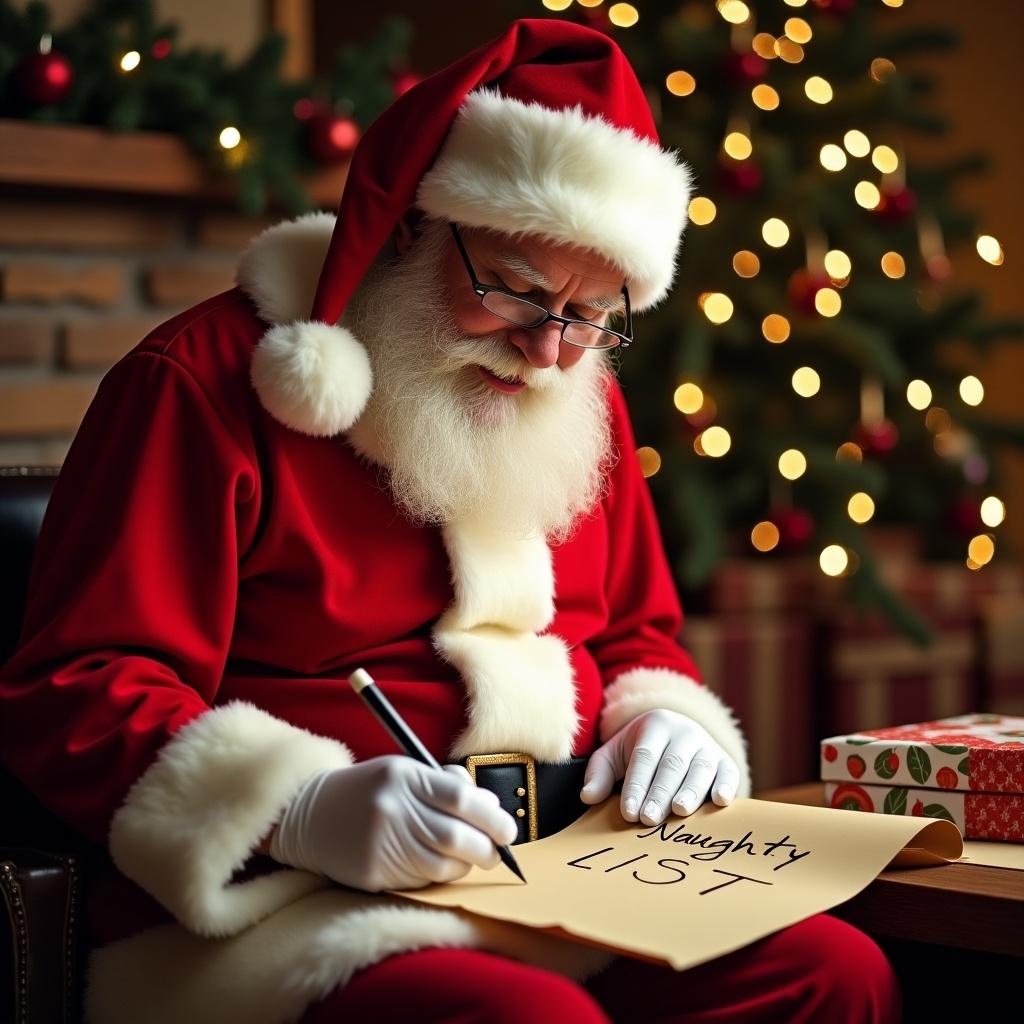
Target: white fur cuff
{"type": "Point", "coordinates": [647, 689]}
{"type": "Point", "coordinates": [198, 812]}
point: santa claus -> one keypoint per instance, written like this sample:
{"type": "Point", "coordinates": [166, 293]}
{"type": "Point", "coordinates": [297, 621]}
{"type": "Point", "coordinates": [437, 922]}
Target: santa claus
{"type": "Point", "coordinates": [398, 444]}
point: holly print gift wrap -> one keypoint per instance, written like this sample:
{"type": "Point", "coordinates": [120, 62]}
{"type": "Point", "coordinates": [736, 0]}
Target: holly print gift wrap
{"type": "Point", "coordinates": [968, 769]}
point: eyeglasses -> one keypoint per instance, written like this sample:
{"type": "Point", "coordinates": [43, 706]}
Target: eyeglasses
{"type": "Point", "coordinates": [519, 311]}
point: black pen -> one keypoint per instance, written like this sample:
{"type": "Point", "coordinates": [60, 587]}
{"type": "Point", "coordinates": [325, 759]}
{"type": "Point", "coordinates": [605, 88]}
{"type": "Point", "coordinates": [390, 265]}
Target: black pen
{"type": "Point", "coordinates": [362, 682]}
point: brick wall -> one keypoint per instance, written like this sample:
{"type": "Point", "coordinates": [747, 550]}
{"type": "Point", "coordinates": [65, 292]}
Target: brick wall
{"type": "Point", "coordinates": [82, 280]}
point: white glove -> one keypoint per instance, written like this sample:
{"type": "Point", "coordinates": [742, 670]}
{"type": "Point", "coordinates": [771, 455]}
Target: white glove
{"type": "Point", "coordinates": [666, 759]}
{"type": "Point", "coordinates": [391, 823]}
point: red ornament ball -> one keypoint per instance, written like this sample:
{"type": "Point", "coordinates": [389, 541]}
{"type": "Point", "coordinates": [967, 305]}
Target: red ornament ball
{"type": "Point", "coordinates": [45, 78]}
{"type": "Point", "coordinates": [161, 48]}
{"type": "Point", "coordinates": [403, 81]}
{"type": "Point", "coordinates": [743, 69]}
{"type": "Point", "coordinates": [963, 516]}
{"type": "Point", "coordinates": [877, 438]}
{"type": "Point", "coordinates": [896, 205]}
{"type": "Point", "coordinates": [802, 288]}
{"type": "Point", "coordinates": [795, 526]}
{"type": "Point", "coordinates": [331, 137]}
{"type": "Point", "coordinates": [741, 177]}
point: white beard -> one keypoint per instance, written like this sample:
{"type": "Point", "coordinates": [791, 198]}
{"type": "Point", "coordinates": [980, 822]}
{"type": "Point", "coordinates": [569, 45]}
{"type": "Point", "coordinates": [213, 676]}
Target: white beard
{"type": "Point", "coordinates": [456, 448]}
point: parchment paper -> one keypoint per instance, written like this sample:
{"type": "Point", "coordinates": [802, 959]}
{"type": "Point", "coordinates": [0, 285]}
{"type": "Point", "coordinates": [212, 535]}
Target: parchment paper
{"type": "Point", "coordinates": [994, 855]}
{"type": "Point", "coordinates": [694, 888]}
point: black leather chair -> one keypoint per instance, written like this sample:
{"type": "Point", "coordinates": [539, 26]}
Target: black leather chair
{"type": "Point", "coordinates": [42, 941]}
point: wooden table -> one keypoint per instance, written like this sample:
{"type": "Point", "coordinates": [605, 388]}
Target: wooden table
{"type": "Point", "coordinates": [969, 906]}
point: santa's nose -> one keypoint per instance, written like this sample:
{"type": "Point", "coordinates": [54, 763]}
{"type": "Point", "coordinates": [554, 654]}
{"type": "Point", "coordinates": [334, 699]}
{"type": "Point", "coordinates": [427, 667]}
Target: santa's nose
{"type": "Point", "coordinates": [540, 345]}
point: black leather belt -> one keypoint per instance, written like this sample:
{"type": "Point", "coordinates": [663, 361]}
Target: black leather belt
{"type": "Point", "coordinates": [543, 798]}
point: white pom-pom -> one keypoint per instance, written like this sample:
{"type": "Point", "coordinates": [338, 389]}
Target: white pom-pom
{"type": "Point", "coordinates": [312, 377]}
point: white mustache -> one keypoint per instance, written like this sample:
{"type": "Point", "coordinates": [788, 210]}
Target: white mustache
{"type": "Point", "coordinates": [502, 359]}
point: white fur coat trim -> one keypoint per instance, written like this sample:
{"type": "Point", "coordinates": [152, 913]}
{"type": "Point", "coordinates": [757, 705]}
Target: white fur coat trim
{"type": "Point", "coordinates": [270, 973]}
{"type": "Point", "coordinates": [646, 689]}
{"type": "Point", "coordinates": [197, 813]}
{"type": "Point", "coordinates": [523, 168]}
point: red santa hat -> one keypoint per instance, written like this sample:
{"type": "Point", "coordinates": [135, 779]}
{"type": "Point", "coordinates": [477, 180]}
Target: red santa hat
{"type": "Point", "coordinates": [543, 131]}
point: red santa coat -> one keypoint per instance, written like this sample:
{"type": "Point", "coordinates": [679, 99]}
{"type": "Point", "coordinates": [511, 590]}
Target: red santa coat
{"type": "Point", "coordinates": [205, 581]}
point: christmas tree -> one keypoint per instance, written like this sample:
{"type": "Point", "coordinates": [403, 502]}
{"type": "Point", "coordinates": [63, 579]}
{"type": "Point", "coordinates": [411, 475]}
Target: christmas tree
{"type": "Point", "coordinates": [795, 389]}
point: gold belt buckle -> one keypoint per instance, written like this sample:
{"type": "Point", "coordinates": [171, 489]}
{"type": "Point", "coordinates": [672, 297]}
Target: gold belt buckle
{"type": "Point", "coordinates": [473, 760]}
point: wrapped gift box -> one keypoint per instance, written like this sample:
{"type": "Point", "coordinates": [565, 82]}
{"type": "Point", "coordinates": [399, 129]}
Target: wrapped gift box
{"type": "Point", "coordinates": [968, 769]}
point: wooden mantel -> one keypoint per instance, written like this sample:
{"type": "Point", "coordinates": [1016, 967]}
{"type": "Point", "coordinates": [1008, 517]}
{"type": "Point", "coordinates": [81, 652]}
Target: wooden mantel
{"type": "Point", "coordinates": [146, 163]}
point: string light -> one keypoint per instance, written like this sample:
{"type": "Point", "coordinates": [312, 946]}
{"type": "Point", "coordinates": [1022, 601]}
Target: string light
{"type": "Point", "coordinates": [993, 511]}
{"type": "Point", "coordinates": [229, 137]}
{"type": "Point", "coordinates": [790, 52]}
{"type": "Point", "coordinates": [650, 460]}
{"type": "Point", "coordinates": [764, 536]}
{"type": "Point", "coordinates": [557, 5]}
{"type": "Point", "coordinates": [688, 398]}
{"type": "Point", "coordinates": [795, 3]}
{"type": "Point", "coordinates": [893, 3]}
{"type": "Point", "coordinates": [718, 307]}
{"type": "Point", "coordinates": [856, 143]}
{"type": "Point", "coordinates": [837, 264]}
{"type": "Point", "coordinates": [792, 464]}
{"type": "Point", "coordinates": [867, 195]}
{"type": "Point", "coordinates": [849, 452]}
{"type": "Point", "coordinates": [972, 391]}
{"type": "Point", "coordinates": [893, 265]}
{"type": "Point", "coordinates": [130, 60]}
{"type": "Point", "coordinates": [680, 83]}
{"type": "Point", "coordinates": [763, 44]}
{"type": "Point", "coordinates": [775, 232]}
{"type": "Point", "coordinates": [734, 11]}
{"type": "Point", "coordinates": [702, 210]}
{"type": "Point", "coordinates": [818, 89]}
{"type": "Point", "coordinates": [715, 441]}
{"type": "Point", "coordinates": [775, 328]}
{"type": "Point", "coordinates": [764, 97]}
{"type": "Point", "coordinates": [623, 15]}
{"type": "Point", "coordinates": [746, 263]}
{"type": "Point", "coordinates": [860, 507]}
{"type": "Point", "coordinates": [827, 301]}
{"type": "Point", "coordinates": [885, 159]}
{"type": "Point", "coordinates": [833, 560]}
{"type": "Point", "coordinates": [806, 382]}
{"type": "Point", "coordinates": [981, 549]}
{"type": "Point", "coordinates": [882, 68]}
{"type": "Point", "coordinates": [919, 395]}
{"type": "Point", "coordinates": [990, 250]}
{"type": "Point", "coordinates": [798, 30]}
{"type": "Point", "coordinates": [738, 145]}
{"type": "Point", "coordinates": [832, 157]}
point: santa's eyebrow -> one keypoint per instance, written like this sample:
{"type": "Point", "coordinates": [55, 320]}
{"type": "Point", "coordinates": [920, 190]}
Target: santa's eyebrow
{"type": "Point", "coordinates": [518, 266]}
{"type": "Point", "coordinates": [605, 303]}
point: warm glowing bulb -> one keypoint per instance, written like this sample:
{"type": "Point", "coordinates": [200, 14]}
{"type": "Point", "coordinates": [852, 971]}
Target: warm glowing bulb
{"type": "Point", "coordinates": [981, 549]}
{"type": "Point", "coordinates": [131, 60]}
{"type": "Point", "coordinates": [882, 68]}
{"type": "Point", "coordinates": [833, 560]}
{"type": "Point", "coordinates": [856, 143]}
{"type": "Point", "coordinates": [764, 536]}
{"type": "Point", "coordinates": [718, 307]}
{"type": "Point", "coordinates": [557, 5]}
{"type": "Point", "coordinates": [650, 461]}
{"type": "Point", "coordinates": [832, 157]}
{"type": "Point", "coordinates": [817, 89]}
{"type": "Point", "coordinates": [715, 441]}
{"type": "Point", "coordinates": [993, 511]}
{"type": "Point", "coordinates": [919, 395]}
{"type": "Point", "coordinates": [849, 452]}
{"type": "Point", "coordinates": [737, 145]}
{"type": "Point", "coordinates": [885, 159]}
{"type": "Point", "coordinates": [790, 52]}
{"type": "Point", "coordinates": [798, 30]}
{"type": "Point", "coordinates": [775, 328]}
{"type": "Point", "coordinates": [893, 265]}
{"type": "Point", "coordinates": [764, 97]}
{"type": "Point", "coordinates": [971, 390]}
{"type": "Point", "coordinates": [746, 263]}
{"type": "Point", "coordinates": [680, 83]}
{"type": "Point", "coordinates": [792, 464]}
{"type": "Point", "coordinates": [775, 232]}
{"type": "Point", "coordinates": [860, 507]}
{"type": "Point", "coordinates": [837, 264]}
{"type": "Point", "coordinates": [763, 44]}
{"type": "Point", "coordinates": [623, 15]}
{"type": "Point", "coordinates": [990, 250]}
{"type": "Point", "coordinates": [734, 11]}
{"type": "Point", "coordinates": [827, 301]}
{"type": "Point", "coordinates": [806, 382]}
{"type": "Point", "coordinates": [702, 210]}
{"type": "Point", "coordinates": [688, 398]}
{"type": "Point", "coordinates": [893, 3]}
{"type": "Point", "coordinates": [230, 137]}
{"type": "Point", "coordinates": [867, 195]}
{"type": "Point", "coordinates": [795, 3]}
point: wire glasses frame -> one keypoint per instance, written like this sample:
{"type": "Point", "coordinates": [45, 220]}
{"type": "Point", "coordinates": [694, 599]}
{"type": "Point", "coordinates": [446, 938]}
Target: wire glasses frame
{"type": "Point", "coordinates": [514, 309]}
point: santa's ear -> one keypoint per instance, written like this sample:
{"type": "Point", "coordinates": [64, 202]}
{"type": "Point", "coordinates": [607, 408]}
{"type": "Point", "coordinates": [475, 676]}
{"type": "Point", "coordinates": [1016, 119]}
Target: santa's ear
{"type": "Point", "coordinates": [408, 228]}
